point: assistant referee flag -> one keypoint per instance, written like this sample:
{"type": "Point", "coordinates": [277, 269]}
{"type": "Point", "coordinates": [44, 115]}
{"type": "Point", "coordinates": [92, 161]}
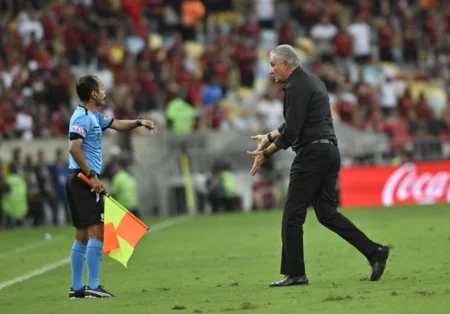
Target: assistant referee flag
{"type": "Point", "coordinates": [122, 230]}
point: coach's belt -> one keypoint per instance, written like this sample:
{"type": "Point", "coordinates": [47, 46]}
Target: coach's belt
{"type": "Point", "coordinates": [323, 141]}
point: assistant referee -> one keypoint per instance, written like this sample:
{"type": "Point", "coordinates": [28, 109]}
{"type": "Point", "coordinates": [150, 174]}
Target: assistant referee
{"type": "Point", "coordinates": [309, 131]}
{"type": "Point", "coordinates": [86, 205]}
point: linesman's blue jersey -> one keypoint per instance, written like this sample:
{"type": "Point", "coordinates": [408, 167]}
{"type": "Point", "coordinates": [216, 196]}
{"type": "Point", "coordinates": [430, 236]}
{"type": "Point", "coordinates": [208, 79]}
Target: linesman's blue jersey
{"type": "Point", "coordinates": [89, 126]}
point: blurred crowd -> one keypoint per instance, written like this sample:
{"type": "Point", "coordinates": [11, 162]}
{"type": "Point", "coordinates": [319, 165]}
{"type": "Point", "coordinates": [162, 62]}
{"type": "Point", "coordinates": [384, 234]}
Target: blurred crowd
{"type": "Point", "coordinates": [33, 189]}
{"type": "Point", "coordinates": [192, 64]}
{"type": "Point", "coordinates": [219, 191]}
{"type": "Point", "coordinates": [31, 185]}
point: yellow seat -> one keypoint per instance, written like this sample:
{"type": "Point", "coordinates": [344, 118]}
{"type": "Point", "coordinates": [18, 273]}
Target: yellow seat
{"type": "Point", "coordinates": [155, 41]}
{"type": "Point", "coordinates": [233, 109]}
{"type": "Point", "coordinates": [246, 92]}
{"type": "Point", "coordinates": [418, 87]}
{"type": "Point", "coordinates": [193, 49]}
{"type": "Point", "coordinates": [262, 54]}
{"type": "Point", "coordinates": [12, 25]}
{"type": "Point", "coordinates": [260, 84]}
{"type": "Point", "coordinates": [305, 44]}
{"type": "Point", "coordinates": [390, 67]}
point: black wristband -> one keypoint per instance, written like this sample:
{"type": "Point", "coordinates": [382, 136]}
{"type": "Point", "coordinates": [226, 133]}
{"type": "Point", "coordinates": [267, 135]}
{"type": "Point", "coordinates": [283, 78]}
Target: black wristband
{"type": "Point", "coordinates": [91, 174]}
{"type": "Point", "coordinates": [265, 154]}
{"type": "Point", "coordinates": [138, 121]}
{"type": "Point", "coordinates": [269, 137]}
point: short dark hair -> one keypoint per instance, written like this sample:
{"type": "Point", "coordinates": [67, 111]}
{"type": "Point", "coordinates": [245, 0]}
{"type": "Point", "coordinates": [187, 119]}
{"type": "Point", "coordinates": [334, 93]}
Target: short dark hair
{"type": "Point", "coordinates": [85, 86]}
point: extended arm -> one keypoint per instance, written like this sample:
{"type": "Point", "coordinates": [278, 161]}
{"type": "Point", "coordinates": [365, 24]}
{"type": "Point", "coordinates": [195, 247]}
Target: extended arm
{"type": "Point", "coordinates": [127, 125]}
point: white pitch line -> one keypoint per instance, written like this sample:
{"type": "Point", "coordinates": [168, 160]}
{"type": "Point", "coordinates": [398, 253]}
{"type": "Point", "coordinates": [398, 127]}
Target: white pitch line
{"type": "Point", "coordinates": [167, 224]}
{"type": "Point", "coordinates": [30, 247]}
{"type": "Point", "coordinates": [34, 273]}
{"type": "Point", "coordinates": [66, 260]}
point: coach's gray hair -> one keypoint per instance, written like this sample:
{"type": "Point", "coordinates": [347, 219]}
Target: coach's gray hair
{"type": "Point", "coordinates": [287, 53]}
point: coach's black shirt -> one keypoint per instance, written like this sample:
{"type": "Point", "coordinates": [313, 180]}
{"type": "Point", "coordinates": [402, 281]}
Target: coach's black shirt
{"type": "Point", "coordinates": [306, 110]}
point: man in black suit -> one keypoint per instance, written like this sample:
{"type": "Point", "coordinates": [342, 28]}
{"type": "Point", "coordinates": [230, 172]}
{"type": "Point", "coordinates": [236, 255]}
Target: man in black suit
{"type": "Point", "coordinates": [309, 131]}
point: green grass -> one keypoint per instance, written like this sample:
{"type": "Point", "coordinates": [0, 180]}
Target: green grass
{"type": "Point", "coordinates": [224, 263]}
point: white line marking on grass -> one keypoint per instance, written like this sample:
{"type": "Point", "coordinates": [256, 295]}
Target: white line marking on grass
{"type": "Point", "coordinates": [34, 273]}
{"type": "Point", "coordinates": [66, 260]}
{"type": "Point", "coordinates": [30, 247]}
{"type": "Point", "coordinates": [167, 224]}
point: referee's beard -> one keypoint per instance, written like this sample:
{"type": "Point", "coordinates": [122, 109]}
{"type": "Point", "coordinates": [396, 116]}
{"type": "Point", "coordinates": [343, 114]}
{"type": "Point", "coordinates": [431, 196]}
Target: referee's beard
{"type": "Point", "coordinates": [100, 102]}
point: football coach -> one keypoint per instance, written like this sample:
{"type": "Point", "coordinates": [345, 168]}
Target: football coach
{"type": "Point", "coordinates": [308, 129]}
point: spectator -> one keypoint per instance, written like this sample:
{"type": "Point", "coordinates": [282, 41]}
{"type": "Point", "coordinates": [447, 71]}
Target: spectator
{"type": "Point", "coordinates": [265, 11]}
{"type": "Point", "coordinates": [60, 121]}
{"type": "Point", "coordinates": [13, 199]}
{"type": "Point", "coordinates": [323, 35]}
{"type": "Point", "coordinates": [45, 182]}
{"type": "Point", "coordinates": [181, 116]}
{"type": "Point", "coordinates": [24, 124]}
{"type": "Point", "coordinates": [113, 163]}
{"type": "Point", "coordinates": [59, 170]}
{"type": "Point", "coordinates": [360, 32]}
{"type": "Point", "coordinates": [220, 188]}
{"type": "Point", "coordinates": [287, 32]}
{"type": "Point", "coordinates": [423, 110]}
{"type": "Point", "coordinates": [191, 13]}
{"type": "Point", "coordinates": [4, 188]}
{"type": "Point", "coordinates": [7, 120]}
{"type": "Point", "coordinates": [15, 166]}
{"type": "Point", "coordinates": [34, 194]}
{"type": "Point", "coordinates": [28, 29]}
{"type": "Point", "coordinates": [346, 108]}
{"type": "Point", "coordinates": [343, 49]}
{"type": "Point", "coordinates": [265, 194]}
{"type": "Point", "coordinates": [270, 110]}
{"type": "Point", "coordinates": [217, 113]}
{"type": "Point", "coordinates": [329, 75]}
{"type": "Point", "coordinates": [211, 91]}
{"type": "Point", "coordinates": [245, 57]}
{"type": "Point", "coordinates": [105, 75]}
{"type": "Point", "coordinates": [405, 103]}
{"type": "Point", "coordinates": [386, 35]}
{"type": "Point", "coordinates": [388, 95]}
{"type": "Point", "coordinates": [410, 37]}
{"type": "Point", "coordinates": [124, 187]}
{"type": "Point", "coordinates": [365, 97]}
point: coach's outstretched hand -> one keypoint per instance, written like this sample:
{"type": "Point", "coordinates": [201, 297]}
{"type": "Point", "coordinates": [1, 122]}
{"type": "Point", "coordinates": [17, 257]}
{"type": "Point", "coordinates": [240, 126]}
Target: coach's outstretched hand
{"type": "Point", "coordinates": [262, 141]}
{"type": "Point", "coordinates": [259, 160]}
{"type": "Point", "coordinates": [97, 185]}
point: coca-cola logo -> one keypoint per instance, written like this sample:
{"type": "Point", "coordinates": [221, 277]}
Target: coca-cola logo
{"type": "Point", "coordinates": [406, 184]}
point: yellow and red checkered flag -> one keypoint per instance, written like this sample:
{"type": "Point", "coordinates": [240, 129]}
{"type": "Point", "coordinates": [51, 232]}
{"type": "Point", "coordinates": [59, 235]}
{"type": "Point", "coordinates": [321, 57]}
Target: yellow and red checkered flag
{"type": "Point", "coordinates": [122, 230]}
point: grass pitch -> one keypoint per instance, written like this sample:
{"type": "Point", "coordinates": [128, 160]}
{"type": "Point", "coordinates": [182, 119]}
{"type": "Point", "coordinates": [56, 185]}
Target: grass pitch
{"type": "Point", "coordinates": [224, 263]}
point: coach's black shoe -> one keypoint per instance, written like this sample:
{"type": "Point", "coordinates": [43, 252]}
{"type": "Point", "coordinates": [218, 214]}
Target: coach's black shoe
{"type": "Point", "coordinates": [77, 294]}
{"type": "Point", "coordinates": [290, 281]}
{"type": "Point", "coordinates": [98, 293]}
{"type": "Point", "coordinates": [378, 262]}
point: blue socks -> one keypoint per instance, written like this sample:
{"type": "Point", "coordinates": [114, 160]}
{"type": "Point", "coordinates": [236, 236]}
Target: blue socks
{"type": "Point", "coordinates": [93, 252]}
{"type": "Point", "coordinates": [77, 259]}
{"type": "Point", "coordinates": [93, 258]}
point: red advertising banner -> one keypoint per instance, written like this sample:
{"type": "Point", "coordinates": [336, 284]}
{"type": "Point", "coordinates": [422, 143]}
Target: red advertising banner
{"type": "Point", "coordinates": [410, 183]}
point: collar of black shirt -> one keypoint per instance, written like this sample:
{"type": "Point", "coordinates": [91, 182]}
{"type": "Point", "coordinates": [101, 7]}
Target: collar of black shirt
{"type": "Point", "coordinates": [296, 73]}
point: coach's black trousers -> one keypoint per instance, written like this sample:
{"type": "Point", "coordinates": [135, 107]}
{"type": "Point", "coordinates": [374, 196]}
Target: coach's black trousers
{"type": "Point", "coordinates": [313, 180]}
